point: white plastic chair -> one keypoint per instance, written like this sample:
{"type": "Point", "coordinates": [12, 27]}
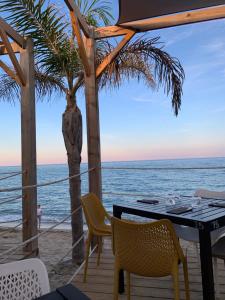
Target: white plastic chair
{"type": "Point", "coordinates": [23, 280]}
{"type": "Point", "coordinates": [191, 234]}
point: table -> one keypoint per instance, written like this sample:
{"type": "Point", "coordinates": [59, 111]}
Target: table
{"type": "Point", "coordinates": [67, 292]}
{"type": "Point", "coordinates": [204, 218]}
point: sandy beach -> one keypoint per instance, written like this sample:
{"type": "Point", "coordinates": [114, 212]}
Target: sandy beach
{"type": "Point", "coordinates": [53, 247]}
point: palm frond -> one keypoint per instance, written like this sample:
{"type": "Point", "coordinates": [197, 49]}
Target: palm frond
{"type": "Point", "coordinates": [125, 67]}
{"type": "Point", "coordinates": [96, 11]}
{"type": "Point", "coordinates": [43, 22]}
{"type": "Point", "coordinates": [9, 89]}
{"type": "Point", "coordinates": [45, 86]}
{"type": "Point", "coordinates": [144, 59]}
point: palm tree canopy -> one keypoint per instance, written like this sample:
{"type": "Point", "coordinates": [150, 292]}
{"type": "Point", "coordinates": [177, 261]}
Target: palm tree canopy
{"type": "Point", "coordinates": [56, 51]}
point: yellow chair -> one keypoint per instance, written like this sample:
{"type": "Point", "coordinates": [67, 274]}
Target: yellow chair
{"type": "Point", "coordinates": [147, 249]}
{"type": "Point", "coordinates": [96, 216]}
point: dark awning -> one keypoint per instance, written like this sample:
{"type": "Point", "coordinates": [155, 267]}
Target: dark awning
{"type": "Point", "coordinates": [131, 11]}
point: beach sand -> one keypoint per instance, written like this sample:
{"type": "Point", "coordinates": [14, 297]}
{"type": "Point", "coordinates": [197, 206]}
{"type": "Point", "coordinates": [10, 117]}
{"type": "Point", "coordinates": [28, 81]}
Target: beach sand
{"type": "Point", "coordinates": [52, 246]}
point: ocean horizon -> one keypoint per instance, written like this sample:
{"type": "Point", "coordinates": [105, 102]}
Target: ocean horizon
{"type": "Point", "coordinates": [121, 181]}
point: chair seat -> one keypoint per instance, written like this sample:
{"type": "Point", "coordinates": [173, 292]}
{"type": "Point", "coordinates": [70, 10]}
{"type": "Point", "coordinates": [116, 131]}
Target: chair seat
{"type": "Point", "coordinates": [218, 250]}
{"type": "Point", "coordinates": [104, 229]}
{"type": "Point", "coordinates": [192, 235]}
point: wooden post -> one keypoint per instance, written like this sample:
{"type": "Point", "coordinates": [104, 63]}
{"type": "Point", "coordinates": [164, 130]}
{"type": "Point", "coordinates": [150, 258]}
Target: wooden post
{"type": "Point", "coordinates": [28, 144]}
{"type": "Point", "coordinates": [93, 127]}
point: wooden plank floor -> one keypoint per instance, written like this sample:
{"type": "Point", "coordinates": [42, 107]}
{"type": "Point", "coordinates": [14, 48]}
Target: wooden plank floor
{"type": "Point", "coordinates": [99, 284]}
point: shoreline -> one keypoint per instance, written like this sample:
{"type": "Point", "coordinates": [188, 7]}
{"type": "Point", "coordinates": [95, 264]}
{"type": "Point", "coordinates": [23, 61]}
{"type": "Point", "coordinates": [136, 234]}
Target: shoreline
{"type": "Point", "coordinates": [53, 247]}
{"type": "Point", "coordinates": [60, 227]}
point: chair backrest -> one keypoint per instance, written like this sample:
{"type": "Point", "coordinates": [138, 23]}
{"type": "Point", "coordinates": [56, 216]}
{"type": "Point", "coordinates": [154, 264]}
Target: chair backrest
{"type": "Point", "coordinates": [207, 194]}
{"type": "Point", "coordinates": [23, 280]}
{"type": "Point", "coordinates": [94, 211]}
{"type": "Point", "coordinates": [146, 249]}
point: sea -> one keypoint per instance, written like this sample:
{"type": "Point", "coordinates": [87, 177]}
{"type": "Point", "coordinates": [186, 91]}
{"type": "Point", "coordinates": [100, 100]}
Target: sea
{"type": "Point", "coordinates": [121, 182]}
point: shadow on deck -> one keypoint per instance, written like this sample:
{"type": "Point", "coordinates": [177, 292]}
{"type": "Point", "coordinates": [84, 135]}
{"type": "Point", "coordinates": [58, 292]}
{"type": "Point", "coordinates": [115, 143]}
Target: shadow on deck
{"type": "Point", "coordinates": [99, 285]}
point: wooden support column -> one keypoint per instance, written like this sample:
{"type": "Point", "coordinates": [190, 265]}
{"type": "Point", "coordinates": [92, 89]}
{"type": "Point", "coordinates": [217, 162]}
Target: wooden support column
{"type": "Point", "coordinates": [28, 144]}
{"type": "Point", "coordinates": [93, 127]}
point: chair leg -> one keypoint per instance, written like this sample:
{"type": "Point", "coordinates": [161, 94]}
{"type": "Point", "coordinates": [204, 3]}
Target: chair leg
{"type": "Point", "coordinates": [99, 249]}
{"type": "Point", "coordinates": [197, 253]}
{"type": "Point", "coordinates": [128, 285]}
{"type": "Point", "coordinates": [116, 280]}
{"type": "Point", "coordinates": [216, 272]}
{"type": "Point", "coordinates": [186, 280]}
{"type": "Point", "coordinates": [87, 255]}
{"type": "Point", "coordinates": [175, 275]}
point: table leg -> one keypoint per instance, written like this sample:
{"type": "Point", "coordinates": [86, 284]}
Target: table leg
{"type": "Point", "coordinates": [118, 213]}
{"type": "Point", "coordinates": [206, 265]}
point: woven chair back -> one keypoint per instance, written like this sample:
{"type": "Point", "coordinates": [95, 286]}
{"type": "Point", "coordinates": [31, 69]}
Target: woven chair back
{"type": "Point", "coordinates": [149, 249]}
{"type": "Point", "coordinates": [94, 211]}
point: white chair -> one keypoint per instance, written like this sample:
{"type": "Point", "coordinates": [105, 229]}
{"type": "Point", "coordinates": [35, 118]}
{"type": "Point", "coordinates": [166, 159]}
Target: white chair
{"type": "Point", "coordinates": [23, 280]}
{"type": "Point", "coordinates": [191, 234]}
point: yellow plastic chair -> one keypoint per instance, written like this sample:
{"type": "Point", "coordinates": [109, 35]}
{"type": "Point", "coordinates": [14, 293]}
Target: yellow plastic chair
{"type": "Point", "coordinates": [147, 249]}
{"type": "Point", "coordinates": [96, 216]}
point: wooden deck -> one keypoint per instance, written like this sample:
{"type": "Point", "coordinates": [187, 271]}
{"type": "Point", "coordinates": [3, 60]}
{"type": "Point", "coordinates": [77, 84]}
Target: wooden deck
{"type": "Point", "coordinates": [99, 284]}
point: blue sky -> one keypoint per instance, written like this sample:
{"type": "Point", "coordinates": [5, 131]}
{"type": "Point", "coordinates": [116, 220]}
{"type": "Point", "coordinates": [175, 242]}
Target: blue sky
{"type": "Point", "coordinates": [137, 122]}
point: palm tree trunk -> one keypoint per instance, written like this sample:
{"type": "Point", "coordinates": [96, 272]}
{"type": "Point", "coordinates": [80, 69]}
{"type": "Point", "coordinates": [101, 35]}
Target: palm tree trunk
{"type": "Point", "coordinates": [72, 133]}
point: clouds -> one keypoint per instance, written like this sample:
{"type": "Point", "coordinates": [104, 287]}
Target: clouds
{"type": "Point", "coordinates": [152, 100]}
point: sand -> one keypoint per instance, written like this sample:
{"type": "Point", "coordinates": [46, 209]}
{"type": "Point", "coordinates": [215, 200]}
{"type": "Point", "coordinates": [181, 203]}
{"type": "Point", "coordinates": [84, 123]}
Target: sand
{"type": "Point", "coordinates": [52, 246]}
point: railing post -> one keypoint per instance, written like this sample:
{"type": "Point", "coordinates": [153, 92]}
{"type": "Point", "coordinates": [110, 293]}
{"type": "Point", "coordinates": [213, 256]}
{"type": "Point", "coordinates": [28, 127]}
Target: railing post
{"type": "Point", "coordinates": [93, 126]}
{"type": "Point", "coordinates": [28, 148]}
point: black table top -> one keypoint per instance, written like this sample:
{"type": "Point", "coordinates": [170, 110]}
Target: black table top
{"type": "Point", "coordinates": [201, 217]}
{"type": "Point", "coordinates": [67, 292]}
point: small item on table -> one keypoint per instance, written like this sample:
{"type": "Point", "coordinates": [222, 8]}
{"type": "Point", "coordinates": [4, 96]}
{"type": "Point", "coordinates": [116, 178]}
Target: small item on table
{"type": "Point", "coordinates": [179, 210]}
{"type": "Point", "coordinates": [148, 201]}
{"type": "Point", "coordinates": [217, 204]}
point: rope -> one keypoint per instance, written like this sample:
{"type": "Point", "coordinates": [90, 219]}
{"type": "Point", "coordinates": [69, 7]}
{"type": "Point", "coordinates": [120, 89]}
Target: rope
{"type": "Point", "coordinates": [36, 236]}
{"type": "Point", "coordinates": [10, 200]}
{"type": "Point", "coordinates": [160, 169]}
{"type": "Point", "coordinates": [73, 246]}
{"type": "Point", "coordinates": [81, 266]}
{"type": "Point", "coordinates": [12, 175]}
{"type": "Point", "coordinates": [8, 173]}
{"type": "Point", "coordinates": [8, 197]}
{"type": "Point", "coordinates": [44, 184]}
{"type": "Point", "coordinates": [9, 230]}
{"type": "Point", "coordinates": [10, 221]}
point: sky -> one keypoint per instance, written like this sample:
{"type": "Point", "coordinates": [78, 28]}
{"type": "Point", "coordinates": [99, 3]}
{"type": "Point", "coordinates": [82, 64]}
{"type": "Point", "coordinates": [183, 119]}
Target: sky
{"type": "Point", "coordinates": [138, 123]}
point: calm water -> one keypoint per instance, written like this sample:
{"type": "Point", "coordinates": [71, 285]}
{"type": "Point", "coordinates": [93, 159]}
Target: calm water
{"type": "Point", "coordinates": [55, 199]}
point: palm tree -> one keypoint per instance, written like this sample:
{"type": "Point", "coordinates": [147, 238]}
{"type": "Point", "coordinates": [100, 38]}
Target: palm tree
{"type": "Point", "coordinates": [59, 69]}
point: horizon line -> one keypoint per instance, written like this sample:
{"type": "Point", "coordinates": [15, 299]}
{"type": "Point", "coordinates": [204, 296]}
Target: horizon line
{"type": "Point", "coordinates": [122, 161]}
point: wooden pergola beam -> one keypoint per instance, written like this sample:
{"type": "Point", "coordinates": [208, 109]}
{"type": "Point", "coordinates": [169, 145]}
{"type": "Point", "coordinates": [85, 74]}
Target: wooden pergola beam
{"type": "Point", "coordinates": [15, 47]}
{"type": "Point", "coordinates": [74, 8]}
{"type": "Point", "coordinates": [81, 47]}
{"type": "Point", "coordinates": [114, 53]}
{"type": "Point", "coordinates": [28, 148]}
{"type": "Point", "coordinates": [189, 17]}
{"type": "Point", "coordinates": [16, 37]}
{"type": "Point", "coordinates": [110, 31]}
{"type": "Point", "coordinates": [13, 57]}
{"type": "Point", "coordinates": [9, 72]}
